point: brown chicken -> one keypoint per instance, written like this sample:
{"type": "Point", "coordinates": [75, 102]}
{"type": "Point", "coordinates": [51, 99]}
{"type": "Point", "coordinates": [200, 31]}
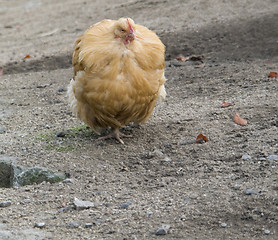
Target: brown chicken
{"type": "Point", "coordinates": [118, 75]}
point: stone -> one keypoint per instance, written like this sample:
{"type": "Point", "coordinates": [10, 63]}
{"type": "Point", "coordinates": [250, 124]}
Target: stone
{"type": "Point", "coordinates": [163, 230]}
{"type": "Point", "coordinates": [125, 205]}
{"type": "Point", "coordinates": [68, 180]}
{"type": "Point", "coordinates": [6, 174]}
{"type": "Point", "coordinates": [250, 191]}
{"type": "Point", "coordinates": [73, 224]}
{"type": "Point", "coordinates": [272, 157]}
{"type": "Point", "coordinates": [5, 204]}
{"type": "Point", "coordinates": [2, 130]}
{"type": "Point", "coordinates": [245, 156]}
{"type": "Point", "coordinates": [223, 225]}
{"type": "Point", "coordinates": [88, 225]}
{"type": "Point", "coordinates": [266, 232]}
{"type": "Point", "coordinates": [40, 225]}
{"type": "Point", "coordinates": [38, 175]}
{"type": "Point", "coordinates": [81, 205]}
{"type": "Point", "coordinates": [13, 175]}
{"type": "Point", "coordinates": [61, 134]}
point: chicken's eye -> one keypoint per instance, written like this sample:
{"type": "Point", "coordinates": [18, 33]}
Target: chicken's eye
{"type": "Point", "coordinates": [122, 30]}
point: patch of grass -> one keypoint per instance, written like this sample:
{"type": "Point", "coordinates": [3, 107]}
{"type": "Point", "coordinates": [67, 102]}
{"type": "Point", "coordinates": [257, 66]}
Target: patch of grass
{"type": "Point", "coordinates": [65, 148]}
{"type": "Point", "coordinates": [65, 143]}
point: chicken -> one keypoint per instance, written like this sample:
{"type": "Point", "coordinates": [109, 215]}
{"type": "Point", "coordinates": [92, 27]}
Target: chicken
{"type": "Point", "coordinates": [118, 75]}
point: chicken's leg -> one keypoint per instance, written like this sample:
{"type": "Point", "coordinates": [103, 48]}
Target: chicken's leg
{"type": "Point", "coordinates": [115, 134]}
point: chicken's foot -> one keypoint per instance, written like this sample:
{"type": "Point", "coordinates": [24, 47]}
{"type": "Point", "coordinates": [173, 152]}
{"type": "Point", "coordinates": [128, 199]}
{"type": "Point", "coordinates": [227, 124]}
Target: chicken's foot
{"type": "Point", "coordinates": [115, 134]}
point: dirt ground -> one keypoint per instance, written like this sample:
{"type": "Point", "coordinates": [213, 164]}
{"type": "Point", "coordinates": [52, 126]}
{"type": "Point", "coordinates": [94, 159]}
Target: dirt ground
{"type": "Point", "coordinates": [225, 188]}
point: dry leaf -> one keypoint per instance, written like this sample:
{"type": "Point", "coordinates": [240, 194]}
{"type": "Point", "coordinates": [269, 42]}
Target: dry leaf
{"type": "Point", "coordinates": [273, 75]}
{"type": "Point", "coordinates": [182, 58]}
{"type": "Point", "coordinates": [201, 139]}
{"type": "Point", "coordinates": [238, 120]}
{"type": "Point", "coordinates": [1, 72]}
{"type": "Point", "coordinates": [226, 104]}
{"type": "Point", "coordinates": [27, 56]}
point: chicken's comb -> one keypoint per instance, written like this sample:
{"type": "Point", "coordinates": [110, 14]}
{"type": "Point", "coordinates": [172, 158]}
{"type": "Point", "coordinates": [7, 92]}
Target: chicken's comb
{"type": "Point", "coordinates": [130, 27]}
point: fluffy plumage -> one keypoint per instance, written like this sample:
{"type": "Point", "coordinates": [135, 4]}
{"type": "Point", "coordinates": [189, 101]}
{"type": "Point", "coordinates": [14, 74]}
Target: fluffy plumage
{"type": "Point", "coordinates": [118, 74]}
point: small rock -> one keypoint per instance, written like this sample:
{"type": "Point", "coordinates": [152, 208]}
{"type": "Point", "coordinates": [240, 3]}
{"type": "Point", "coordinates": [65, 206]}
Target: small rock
{"type": "Point", "coordinates": [37, 175]}
{"type": "Point", "coordinates": [61, 134]}
{"type": "Point", "coordinates": [73, 224]}
{"type": "Point", "coordinates": [68, 180]}
{"type": "Point", "coordinates": [250, 191]}
{"type": "Point", "coordinates": [266, 232]}
{"type": "Point", "coordinates": [40, 225]}
{"type": "Point", "coordinates": [5, 204]}
{"type": "Point", "coordinates": [97, 222]}
{"type": "Point", "coordinates": [125, 205]}
{"type": "Point", "coordinates": [245, 156]}
{"type": "Point", "coordinates": [262, 158]}
{"type": "Point", "coordinates": [163, 230]}
{"type": "Point", "coordinates": [61, 89]}
{"type": "Point", "coordinates": [167, 159]}
{"type": "Point", "coordinates": [272, 157]}
{"type": "Point", "coordinates": [80, 205]}
{"type": "Point", "coordinates": [88, 225]}
{"type": "Point", "coordinates": [61, 210]}
{"type": "Point", "coordinates": [2, 130]}
{"type": "Point", "coordinates": [236, 186]}
{"type": "Point", "coordinates": [223, 225]}
{"type": "Point", "coordinates": [149, 213]}
{"type": "Point", "coordinates": [47, 126]}
{"type": "Point", "coordinates": [158, 152]}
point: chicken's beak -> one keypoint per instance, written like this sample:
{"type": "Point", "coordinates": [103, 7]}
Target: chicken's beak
{"type": "Point", "coordinates": [131, 36]}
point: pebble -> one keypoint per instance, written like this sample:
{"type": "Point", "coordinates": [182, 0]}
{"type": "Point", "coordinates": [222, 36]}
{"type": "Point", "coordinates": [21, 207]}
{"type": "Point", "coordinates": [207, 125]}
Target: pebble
{"type": "Point", "coordinates": [272, 157]}
{"type": "Point", "coordinates": [40, 225]}
{"type": "Point", "coordinates": [163, 230]}
{"type": "Point", "coordinates": [97, 222]}
{"type": "Point", "coordinates": [250, 191]}
{"type": "Point", "coordinates": [88, 225]}
{"type": "Point", "coordinates": [61, 89]}
{"type": "Point", "coordinates": [149, 213]}
{"type": "Point", "coordinates": [68, 180]}
{"type": "Point", "coordinates": [80, 205]}
{"type": "Point", "coordinates": [237, 186]}
{"type": "Point", "coordinates": [223, 225]}
{"type": "Point", "coordinates": [2, 130]}
{"type": "Point", "coordinates": [73, 224]}
{"type": "Point", "coordinates": [245, 156]}
{"type": "Point", "coordinates": [61, 134]}
{"type": "Point", "coordinates": [266, 232]}
{"type": "Point", "coordinates": [5, 204]}
{"type": "Point", "coordinates": [167, 159]}
{"type": "Point", "coordinates": [125, 205]}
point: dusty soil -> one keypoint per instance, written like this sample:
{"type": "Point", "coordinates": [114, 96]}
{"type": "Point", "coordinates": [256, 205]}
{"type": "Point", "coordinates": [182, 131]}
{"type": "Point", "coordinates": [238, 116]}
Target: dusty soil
{"type": "Point", "coordinates": [203, 191]}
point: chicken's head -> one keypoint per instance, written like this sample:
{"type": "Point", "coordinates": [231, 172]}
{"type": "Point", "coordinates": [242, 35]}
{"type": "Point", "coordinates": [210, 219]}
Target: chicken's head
{"type": "Point", "coordinates": [124, 29]}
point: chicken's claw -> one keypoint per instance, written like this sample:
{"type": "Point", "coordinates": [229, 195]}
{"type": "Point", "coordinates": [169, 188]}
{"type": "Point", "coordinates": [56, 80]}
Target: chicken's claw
{"type": "Point", "coordinates": [115, 134]}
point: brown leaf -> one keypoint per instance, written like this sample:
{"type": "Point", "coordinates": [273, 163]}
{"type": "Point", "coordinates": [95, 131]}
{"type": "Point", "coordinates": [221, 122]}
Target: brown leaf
{"type": "Point", "coordinates": [27, 56]}
{"type": "Point", "coordinates": [1, 72]}
{"type": "Point", "coordinates": [226, 104]}
{"type": "Point", "coordinates": [182, 58]}
{"type": "Point", "coordinates": [201, 138]}
{"type": "Point", "coordinates": [273, 75]}
{"type": "Point", "coordinates": [238, 120]}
